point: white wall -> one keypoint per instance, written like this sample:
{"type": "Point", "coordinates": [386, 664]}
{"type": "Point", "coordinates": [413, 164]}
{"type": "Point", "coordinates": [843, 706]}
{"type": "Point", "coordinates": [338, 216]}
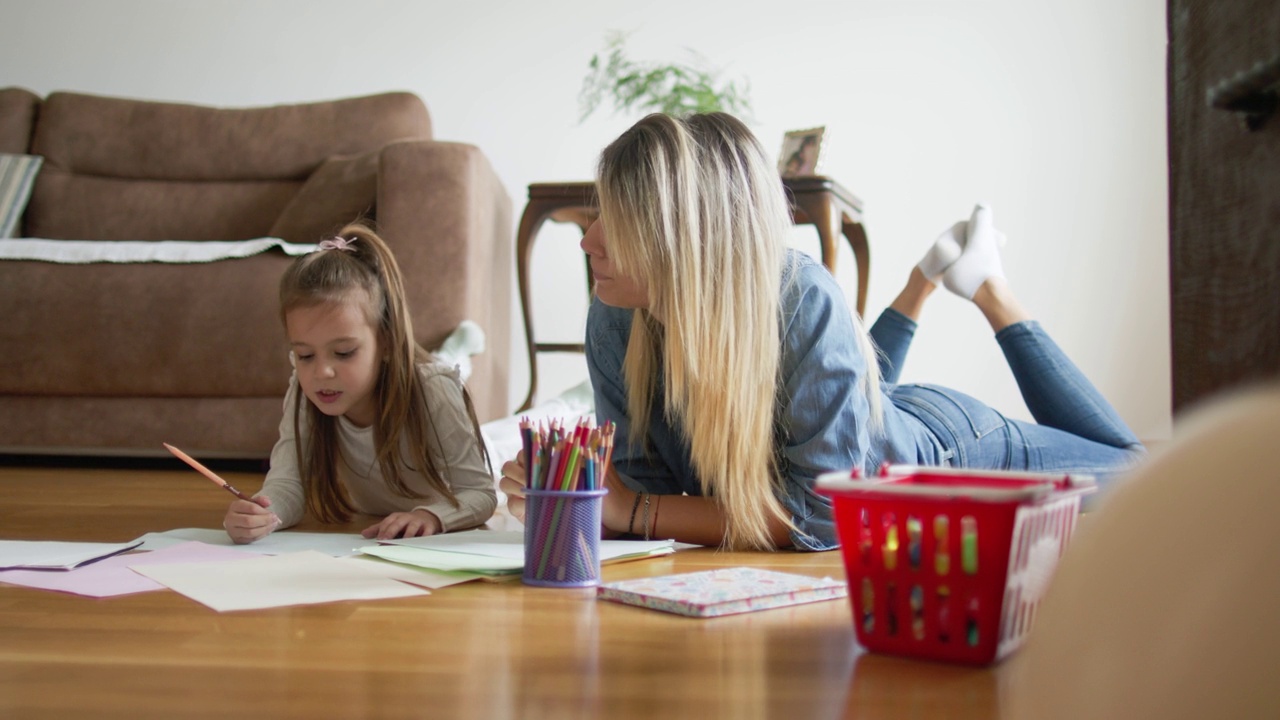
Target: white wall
{"type": "Point", "coordinates": [1052, 111]}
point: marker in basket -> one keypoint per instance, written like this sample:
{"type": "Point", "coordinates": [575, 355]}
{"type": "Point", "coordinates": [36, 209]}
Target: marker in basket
{"type": "Point", "coordinates": [206, 472]}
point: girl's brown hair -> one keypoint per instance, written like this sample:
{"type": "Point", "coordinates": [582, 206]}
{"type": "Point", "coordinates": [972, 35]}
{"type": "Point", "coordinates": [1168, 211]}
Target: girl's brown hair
{"type": "Point", "coordinates": [366, 271]}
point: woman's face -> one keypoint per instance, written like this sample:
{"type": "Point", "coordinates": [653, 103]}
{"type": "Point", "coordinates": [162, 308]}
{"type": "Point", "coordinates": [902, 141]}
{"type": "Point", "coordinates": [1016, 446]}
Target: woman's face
{"type": "Point", "coordinates": [612, 289]}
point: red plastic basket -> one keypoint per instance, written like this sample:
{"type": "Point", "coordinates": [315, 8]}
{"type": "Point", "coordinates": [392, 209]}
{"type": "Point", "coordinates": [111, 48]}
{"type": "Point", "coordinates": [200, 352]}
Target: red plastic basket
{"type": "Point", "coordinates": [950, 564]}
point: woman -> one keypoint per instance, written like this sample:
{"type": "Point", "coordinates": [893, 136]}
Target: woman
{"type": "Point", "coordinates": [736, 374]}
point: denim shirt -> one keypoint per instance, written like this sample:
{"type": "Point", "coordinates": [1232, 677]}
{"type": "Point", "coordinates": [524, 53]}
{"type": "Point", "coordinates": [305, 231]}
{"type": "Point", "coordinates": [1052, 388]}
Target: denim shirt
{"type": "Point", "coordinates": [822, 419]}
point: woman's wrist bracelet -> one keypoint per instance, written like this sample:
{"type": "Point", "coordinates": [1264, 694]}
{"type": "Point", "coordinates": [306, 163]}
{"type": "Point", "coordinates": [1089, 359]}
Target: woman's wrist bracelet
{"type": "Point", "coordinates": [656, 505]}
{"type": "Point", "coordinates": [632, 522]}
{"type": "Point", "coordinates": [647, 497]}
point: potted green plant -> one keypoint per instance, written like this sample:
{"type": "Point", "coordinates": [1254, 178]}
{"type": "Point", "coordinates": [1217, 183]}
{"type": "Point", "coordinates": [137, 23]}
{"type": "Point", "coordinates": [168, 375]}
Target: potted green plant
{"type": "Point", "coordinates": [671, 88]}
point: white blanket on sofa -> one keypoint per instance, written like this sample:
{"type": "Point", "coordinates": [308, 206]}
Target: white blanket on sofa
{"type": "Point", "coordinates": [78, 252]}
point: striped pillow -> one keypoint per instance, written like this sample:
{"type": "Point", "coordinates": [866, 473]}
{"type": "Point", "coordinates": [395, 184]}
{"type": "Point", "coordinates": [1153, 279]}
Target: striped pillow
{"type": "Point", "coordinates": [17, 175]}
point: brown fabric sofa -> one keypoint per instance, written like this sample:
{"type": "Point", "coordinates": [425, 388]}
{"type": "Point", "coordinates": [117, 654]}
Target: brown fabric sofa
{"type": "Point", "coordinates": [113, 359]}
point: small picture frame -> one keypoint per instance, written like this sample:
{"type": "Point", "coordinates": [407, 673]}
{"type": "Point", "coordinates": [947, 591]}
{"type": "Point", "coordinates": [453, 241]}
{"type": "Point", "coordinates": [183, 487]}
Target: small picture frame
{"type": "Point", "coordinates": [801, 152]}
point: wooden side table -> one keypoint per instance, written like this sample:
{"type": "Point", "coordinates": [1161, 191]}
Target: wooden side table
{"type": "Point", "coordinates": [815, 200]}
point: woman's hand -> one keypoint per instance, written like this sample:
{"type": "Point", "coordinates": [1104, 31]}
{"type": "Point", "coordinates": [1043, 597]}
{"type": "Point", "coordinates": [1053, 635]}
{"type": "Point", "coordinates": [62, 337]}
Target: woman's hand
{"type": "Point", "coordinates": [513, 484]}
{"type": "Point", "coordinates": [615, 513]}
{"type": "Point", "coordinates": [414, 523]}
{"type": "Point", "coordinates": [617, 502]}
{"type": "Point", "coordinates": [247, 521]}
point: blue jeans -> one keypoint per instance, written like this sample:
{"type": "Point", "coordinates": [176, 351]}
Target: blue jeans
{"type": "Point", "coordinates": [1076, 429]}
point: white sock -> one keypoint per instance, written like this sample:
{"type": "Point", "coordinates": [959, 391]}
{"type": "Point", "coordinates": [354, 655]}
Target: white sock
{"type": "Point", "coordinates": [981, 257]}
{"type": "Point", "coordinates": [944, 251]}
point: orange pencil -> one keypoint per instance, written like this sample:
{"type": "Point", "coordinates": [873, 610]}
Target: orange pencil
{"type": "Point", "coordinates": [206, 472]}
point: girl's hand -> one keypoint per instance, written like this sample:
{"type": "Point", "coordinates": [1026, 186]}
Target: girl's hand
{"type": "Point", "coordinates": [247, 521]}
{"type": "Point", "coordinates": [512, 483]}
{"type": "Point", "coordinates": [404, 524]}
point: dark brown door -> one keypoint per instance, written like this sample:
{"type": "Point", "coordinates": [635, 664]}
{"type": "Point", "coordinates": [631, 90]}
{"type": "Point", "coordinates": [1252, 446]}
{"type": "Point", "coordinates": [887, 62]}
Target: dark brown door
{"type": "Point", "coordinates": [1224, 181]}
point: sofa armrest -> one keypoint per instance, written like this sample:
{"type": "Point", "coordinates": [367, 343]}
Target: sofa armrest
{"type": "Point", "coordinates": [448, 219]}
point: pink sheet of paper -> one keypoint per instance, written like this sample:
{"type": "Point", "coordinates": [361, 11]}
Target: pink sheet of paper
{"type": "Point", "coordinates": [112, 576]}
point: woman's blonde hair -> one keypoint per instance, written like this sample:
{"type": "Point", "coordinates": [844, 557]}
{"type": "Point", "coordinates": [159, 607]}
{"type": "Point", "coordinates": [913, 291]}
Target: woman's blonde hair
{"type": "Point", "coordinates": [365, 271]}
{"type": "Point", "coordinates": [693, 206]}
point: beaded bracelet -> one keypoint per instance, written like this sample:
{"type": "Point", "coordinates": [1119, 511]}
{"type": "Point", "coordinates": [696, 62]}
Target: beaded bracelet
{"type": "Point", "coordinates": [647, 497]}
{"type": "Point", "coordinates": [632, 522]}
{"type": "Point", "coordinates": [656, 505]}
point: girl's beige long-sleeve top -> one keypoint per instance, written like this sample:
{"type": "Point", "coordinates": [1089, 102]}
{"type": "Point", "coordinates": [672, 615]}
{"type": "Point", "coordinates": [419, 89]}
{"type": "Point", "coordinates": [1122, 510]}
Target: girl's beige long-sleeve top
{"type": "Point", "coordinates": [455, 446]}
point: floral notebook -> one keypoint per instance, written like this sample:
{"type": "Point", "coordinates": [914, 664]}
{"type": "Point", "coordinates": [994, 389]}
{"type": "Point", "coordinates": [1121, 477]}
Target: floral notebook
{"type": "Point", "coordinates": [725, 591]}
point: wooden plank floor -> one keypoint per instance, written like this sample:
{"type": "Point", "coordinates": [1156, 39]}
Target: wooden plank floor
{"type": "Point", "coordinates": [478, 650]}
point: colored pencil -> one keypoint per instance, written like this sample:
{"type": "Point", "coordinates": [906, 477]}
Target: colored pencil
{"type": "Point", "coordinates": [206, 472]}
{"type": "Point", "coordinates": [565, 460]}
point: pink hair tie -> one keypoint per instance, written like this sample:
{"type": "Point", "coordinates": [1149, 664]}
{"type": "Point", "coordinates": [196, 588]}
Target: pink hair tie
{"type": "Point", "coordinates": [338, 243]}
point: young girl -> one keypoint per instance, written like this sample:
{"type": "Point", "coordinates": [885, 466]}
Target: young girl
{"type": "Point", "coordinates": [384, 428]}
{"type": "Point", "coordinates": [735, 373]}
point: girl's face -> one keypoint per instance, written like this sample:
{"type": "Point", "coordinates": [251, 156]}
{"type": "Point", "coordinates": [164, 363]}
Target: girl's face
{"type": "Point", "coordinates": [612, 288]}
{"type": "Point", "coordinates": [337, 357]}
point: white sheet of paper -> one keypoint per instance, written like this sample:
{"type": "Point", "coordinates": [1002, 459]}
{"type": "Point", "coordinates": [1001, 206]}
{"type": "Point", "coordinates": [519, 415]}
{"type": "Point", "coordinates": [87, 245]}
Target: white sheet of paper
{"type": "Point", "coordinates": [111, 576]}
{"type": "Point", "coordinates": [422, 577]}
{"type": "Point", "coordinates": [55, 555]}
{"type": "Point", "coordinates": [495, 551]}
{"type": "Point", "coordinates": [445, 561]}
{"type": "Point", "coordinates": [302, 578]}
{"type": "Point", "coordinates": [284, 541]}
{"type": "Point", "coordinates": [507, 544]}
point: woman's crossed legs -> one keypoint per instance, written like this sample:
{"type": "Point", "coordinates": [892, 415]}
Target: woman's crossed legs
{"type": "Point", "coordinates": [1076, 429]}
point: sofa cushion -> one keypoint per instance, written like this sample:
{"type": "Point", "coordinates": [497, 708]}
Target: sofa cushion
{"type": "Point", "coordinates": [118, 169]}
{"type": "Point", "coordinates": [144, 329]}
{"type": "Point", "coordinates": [137, 140]}
{"type": "Point", "coordinates": [17, 173]}
{"type": "Point", "coordinates": [67, 206]}
{"type": "Point", "coordinates": [18, 108]}
{"type": "Point", "coordinates": [340, 191]}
